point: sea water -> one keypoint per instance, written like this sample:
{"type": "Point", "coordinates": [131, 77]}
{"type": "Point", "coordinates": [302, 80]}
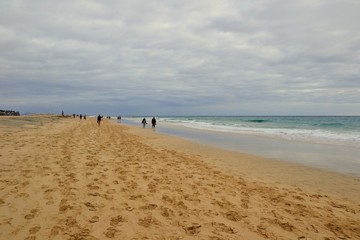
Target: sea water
{"type": "Point", "coordinates": [330, 142]}
{"type": "Point", "coordinates": [340, 130]}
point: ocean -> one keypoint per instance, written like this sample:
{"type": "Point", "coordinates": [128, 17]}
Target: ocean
{"type": "Point", "coordinates": [327, 142]}
{"type": "Point", "coordinates": [341, 130]}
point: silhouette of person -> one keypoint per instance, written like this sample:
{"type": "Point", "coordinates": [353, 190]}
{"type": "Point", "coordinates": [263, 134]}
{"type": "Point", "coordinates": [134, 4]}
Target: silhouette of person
{"type": "Point", "coordinates": [144, 122]}
{"type": "Point", "coordinates": [80, 116]}
{"type": "Point", "coordinates": [99, 119]}
{"type": "Point", "coordinates": [153, 122]}
{"type": "Point", "coordinates": [84, 117]}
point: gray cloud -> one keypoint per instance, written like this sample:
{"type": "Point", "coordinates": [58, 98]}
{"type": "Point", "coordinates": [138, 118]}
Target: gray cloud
{"type": "Point", "coordinates": [181, 57]}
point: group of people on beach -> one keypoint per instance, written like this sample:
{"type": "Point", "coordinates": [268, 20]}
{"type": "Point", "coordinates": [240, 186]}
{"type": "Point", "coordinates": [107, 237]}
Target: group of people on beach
{"type": "Point", "coordinates": [99, 118]}
{"type": "Point", "coordinates": [77, 115]}
{"type": "Point", "coordinates": [153, 122]}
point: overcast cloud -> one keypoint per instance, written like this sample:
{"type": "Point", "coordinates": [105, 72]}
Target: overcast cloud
{"type": "Point", "coordinates": [204, 57]}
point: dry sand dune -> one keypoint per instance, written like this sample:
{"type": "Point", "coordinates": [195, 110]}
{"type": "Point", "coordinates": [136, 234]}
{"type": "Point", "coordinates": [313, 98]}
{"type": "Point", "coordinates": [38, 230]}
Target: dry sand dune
{"type": "Point", "coordinates": [62, 178]}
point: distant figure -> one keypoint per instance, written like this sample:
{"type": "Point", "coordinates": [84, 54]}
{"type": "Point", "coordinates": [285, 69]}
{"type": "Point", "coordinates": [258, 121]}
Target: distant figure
{"type": "Point", "coordinates": [62, 113]}
{"type": "Point", "coordinates": [80, 116]}
{"type": "Point", "coordinates": [74, 115]}
{"type": "Point", "coordinates": [84, 117]}
{"type": "Point", "coordinates": [144, 122]}
{"type": "Point", "coordinates": [98, 120]}
{"type": "Point", "coordinates": [153, 122]}
{"type": "Point", "coordinates": [119, 119]}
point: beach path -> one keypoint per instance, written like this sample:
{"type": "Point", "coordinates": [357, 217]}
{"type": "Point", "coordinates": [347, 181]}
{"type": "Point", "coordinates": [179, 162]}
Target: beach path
{"type": "Point", "coordinates": [63, 178]}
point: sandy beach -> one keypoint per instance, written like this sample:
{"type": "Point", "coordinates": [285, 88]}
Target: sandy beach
{"type": "Point", "coordinates": [65, 178]}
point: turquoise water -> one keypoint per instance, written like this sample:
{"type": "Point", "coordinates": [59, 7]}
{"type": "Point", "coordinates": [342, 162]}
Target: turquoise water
{"type": "Point", "coordinates": [343, 130]}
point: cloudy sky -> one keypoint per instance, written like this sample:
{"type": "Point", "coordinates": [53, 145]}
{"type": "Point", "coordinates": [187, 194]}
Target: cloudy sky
{"type": "Point", "coordinates": [162, 57]}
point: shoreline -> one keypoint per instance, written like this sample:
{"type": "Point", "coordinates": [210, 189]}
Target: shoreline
{"type": "Point", "coordinates": [71, 179]}
{"type": "Point", "coordinates": [337, 158]}
{"type": "Point", "coordinates": [256, 167]}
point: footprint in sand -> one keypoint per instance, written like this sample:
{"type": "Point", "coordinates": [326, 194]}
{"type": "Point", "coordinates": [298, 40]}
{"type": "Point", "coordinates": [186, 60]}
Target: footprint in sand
{"type": "Point", "coordinates": [129, 209]}
{"type": "Point", "coordinates": [152, 187]}
{"type": "Point", "coordinates": [166, 212]}
{"type": "Point", "coordinates": [192, 229]}
{"type": "Point", "coordinates": [29, 216]}
{"type": "Point", "coordinates": [134, 197]}
{"type": "Point", "coordinates": [92, 186]}
{"type": "Point", "coordinates": [221, 227]}
{"type": "Point", "coordinates": [110, 232]}
{"type": "Point", "coordinates": [71, 222]}
{"type": "Point", "coordinates": [245, 203]}
{"type": "Point", "coordinates": [30, 238]}
{"type": "Point", "coordinates": [116, 220]}
{"type": "Point", "coordinates": [91, 164]}
{"type": "Point", "coordinates": [109, 197]}
{"type": "Point", "coordinates": [24, 184]}
{"type": "Point", "coordinates": [110, 191]}
{"type": "Point", "coordinates": [34, 230]}
{"type": "Point", "coordinates": [149, 207]}
{"type": "Point", "coordinates": [56, 230]}
{"type": "Point", "coordinates": [6, 221]}
{"type": "Point", "coordinates": [167, 199]}
{"type": "Point", "coordinates": [94, 194]}
{"type": "Point", "coordinates": [148, 221]}
{"type": "Point", "coordinates": [90, 206]}
{"type": "Point", "coordinates": [63, 206]}
{"type": "Point", "coordinates": [23, 195]}
{"type": "Point", "coordinates": [32, 214]}
{"type": "Point", "coordinates": [233, 216]}
{"type": "Point", "coordinates": [94, 219]}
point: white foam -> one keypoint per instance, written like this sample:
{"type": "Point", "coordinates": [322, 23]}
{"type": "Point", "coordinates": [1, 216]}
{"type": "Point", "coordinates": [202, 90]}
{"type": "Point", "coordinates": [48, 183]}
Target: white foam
{"type": "Point", "coordinates": [306, 135]}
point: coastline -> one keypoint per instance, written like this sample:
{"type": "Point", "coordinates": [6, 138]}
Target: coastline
{"type": "Point", "coordinates": [329, 157]}
{"type": "Point", "coordinates": [63, 178]}
{"type": "Point", "coordinates": [257, 167]}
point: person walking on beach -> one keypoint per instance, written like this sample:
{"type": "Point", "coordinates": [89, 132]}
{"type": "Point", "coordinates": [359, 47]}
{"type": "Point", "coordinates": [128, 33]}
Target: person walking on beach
{"type": "Point", "coordinates": [98, 120]}
{"type": "Point", "coordinates": [153, 122]}
{"type": "Point", "coordinates": [144, 122]}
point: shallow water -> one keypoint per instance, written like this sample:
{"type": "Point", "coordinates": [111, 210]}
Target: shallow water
{"type": "Point", "coordinates": [337, 158]}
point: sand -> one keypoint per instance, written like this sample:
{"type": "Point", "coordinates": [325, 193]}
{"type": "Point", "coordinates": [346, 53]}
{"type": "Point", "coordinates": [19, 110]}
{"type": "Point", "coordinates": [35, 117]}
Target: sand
{"type": "Point", "coordinates": [63, 178]}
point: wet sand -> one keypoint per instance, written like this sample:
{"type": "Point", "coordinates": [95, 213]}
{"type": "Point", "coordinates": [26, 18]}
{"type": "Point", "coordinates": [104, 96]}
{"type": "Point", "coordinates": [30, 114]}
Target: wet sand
{"type": "Point", "coordinates": [330, 157]}
{"type": "Point", "coordinates": [63, 178]}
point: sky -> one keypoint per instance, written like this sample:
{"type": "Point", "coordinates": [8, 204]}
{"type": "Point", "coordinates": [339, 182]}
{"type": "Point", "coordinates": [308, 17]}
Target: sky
{"type": "Point", "coordinates": [161, 57]}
